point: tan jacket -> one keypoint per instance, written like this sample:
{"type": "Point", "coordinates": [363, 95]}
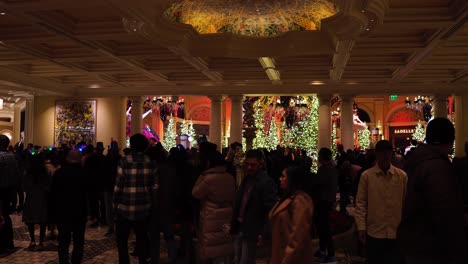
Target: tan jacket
{"type": "Point", "coordinates": [379, 201]}
{"type": "Point", "coordinates": [291, 223]}
{"type": "Point", "coordinates": [216, 190]}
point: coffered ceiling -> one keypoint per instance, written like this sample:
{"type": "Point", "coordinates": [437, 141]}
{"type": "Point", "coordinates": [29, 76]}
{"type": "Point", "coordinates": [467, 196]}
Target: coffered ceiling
{"type": "Point", "coordinates": [127, 47]}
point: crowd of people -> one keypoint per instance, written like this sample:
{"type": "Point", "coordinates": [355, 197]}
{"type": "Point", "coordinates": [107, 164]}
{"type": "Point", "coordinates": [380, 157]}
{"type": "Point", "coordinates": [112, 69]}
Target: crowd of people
{"type": "Point", "coordinates": [407, 208]}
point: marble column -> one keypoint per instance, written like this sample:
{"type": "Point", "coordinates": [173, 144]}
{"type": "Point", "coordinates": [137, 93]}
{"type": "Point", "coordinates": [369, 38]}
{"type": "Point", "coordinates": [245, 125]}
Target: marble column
{"type": "Point", "coordinates": [122, 140]}
{"type": "Point", "coordinates": [16, 125]}
{"type": "Point", "coordinates": [440, 105]}
{"type": "Point", "coordinates": [324, 131]}
{"type": "Point", "coordinates": [29, 121]}
{"type": "Point", "coordinates": [137, 109]}
{"type": "Point", "coordinates": [236, 118]}
{"type": "Point", "coordinates": [459, 129]}
{"type": "Point", "coordinates": [346, 122]}
{"type": "Point", "coordinates": [215, 120]}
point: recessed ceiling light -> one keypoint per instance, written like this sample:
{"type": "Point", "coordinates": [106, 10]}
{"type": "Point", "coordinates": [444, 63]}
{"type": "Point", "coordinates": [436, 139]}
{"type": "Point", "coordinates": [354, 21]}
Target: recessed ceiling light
{"type": "Point", "coordinates": [372, 20]}
{"type": "Point", "coordinates": [368, 29]}
{"type": "Point", "coordinates": [363, 11]}
{"type": "Point", "coordinates": [317, 83]}
{"type": "Point", "coordinates": [94, 86]}
{"type": "Point", "coordinates": [2, 13]}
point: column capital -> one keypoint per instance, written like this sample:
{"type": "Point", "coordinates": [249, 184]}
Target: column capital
{"type": "Point", "coordinates": [236, 97]}
{"type": "Point", "coordinates": [347, 97]}
{"type": "Point", "coordinates": [29, 98]}
{"type": "Point", "coordinates": [216, 98]}
{"type": "Point", "coordinates": [324, 98]}
{"type": "Point", "coordinates": [136, 99]}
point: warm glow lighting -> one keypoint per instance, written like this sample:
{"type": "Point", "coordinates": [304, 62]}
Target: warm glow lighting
{"type": "Point", "coordinates": [94, 86]}
{"type": "Point", "coordinates": [1, 103]}
{"type": "Point", "coordinates": [267, 62]}
{"type": "Point", "coordinates": [317, 83]}
{"type": "Point", "coordinates": [2, 13]}
{"type": "Point", "coordinates": [268, 65]}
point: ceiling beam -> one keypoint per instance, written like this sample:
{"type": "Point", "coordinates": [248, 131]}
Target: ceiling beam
{"type": "Point", "coordinates": [420, 56]}
{"type": "Point", "coordinates": [363, 89]}
{"type": "Point", "coordinates": [50, 25]}
{"type": "Point", "coordinates": [340, 59]}
{"type": "Point", "coordinates": [199, 64]}
{"type": "Point", "coordinates": [15, 80]}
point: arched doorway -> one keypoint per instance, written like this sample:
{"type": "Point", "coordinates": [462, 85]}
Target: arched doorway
{"type": "Point", "coordinates": [402, 123]}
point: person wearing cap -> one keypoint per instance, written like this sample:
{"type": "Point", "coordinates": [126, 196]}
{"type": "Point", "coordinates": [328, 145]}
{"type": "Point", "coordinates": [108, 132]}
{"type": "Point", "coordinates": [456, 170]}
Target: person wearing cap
{"type": "Point", "coordinates": [68, 207]}
{"type": "Point", "coordinates": [379, 204]}
{"type": "Point", "coordinates": [432, 228]}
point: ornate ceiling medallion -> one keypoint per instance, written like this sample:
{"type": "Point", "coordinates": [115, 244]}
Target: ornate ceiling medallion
{"type": "Point", "coordinates": [251, 17]}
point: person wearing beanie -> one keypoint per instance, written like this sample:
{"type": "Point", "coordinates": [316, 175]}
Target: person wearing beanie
{"type": "Point", "coordinates": [432, 227]}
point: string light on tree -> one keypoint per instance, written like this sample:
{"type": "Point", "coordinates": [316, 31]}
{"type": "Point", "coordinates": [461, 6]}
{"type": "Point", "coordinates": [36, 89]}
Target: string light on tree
{"type": "Point", "coordinates": [334, 148]}
{"type": "Point", "coordinates": [183, 128]}
{"type": "Point", "coordinates": [191, 132]}
{"type": "Point", "coordinates": [259, 140]}
{"type": "Point", "coordinates": [170, 135]}
{"type": "Point", "coordinates": [419, 133]}
{"type": "Point", "coordinates": [364, 138]}
{"type": "Point", "coordinates": [272, 140]}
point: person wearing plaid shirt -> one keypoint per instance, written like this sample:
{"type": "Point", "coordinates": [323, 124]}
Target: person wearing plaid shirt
{"type": "Point", "coordinates": [132, 200]}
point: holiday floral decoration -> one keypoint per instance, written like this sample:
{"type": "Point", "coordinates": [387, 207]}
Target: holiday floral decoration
{"type": "Point", "coordinates": [75, 120]}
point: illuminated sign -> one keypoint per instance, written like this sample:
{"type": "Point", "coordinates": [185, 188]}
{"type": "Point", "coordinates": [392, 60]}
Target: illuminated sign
{"type": "Point", "coordinates": [404, 131]}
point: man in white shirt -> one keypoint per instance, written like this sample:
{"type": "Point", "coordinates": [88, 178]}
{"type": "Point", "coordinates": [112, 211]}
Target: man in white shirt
{"type": "Point", "coordinates": [379, 204]}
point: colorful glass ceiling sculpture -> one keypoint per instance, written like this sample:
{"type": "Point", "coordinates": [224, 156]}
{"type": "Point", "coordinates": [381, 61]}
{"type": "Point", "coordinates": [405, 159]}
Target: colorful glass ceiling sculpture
{"type": "Point", "coordinates": [251, 17]}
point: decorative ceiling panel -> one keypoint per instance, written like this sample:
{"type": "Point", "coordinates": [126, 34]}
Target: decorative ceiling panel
{"type": "Point", "coordinates": [251, 17]}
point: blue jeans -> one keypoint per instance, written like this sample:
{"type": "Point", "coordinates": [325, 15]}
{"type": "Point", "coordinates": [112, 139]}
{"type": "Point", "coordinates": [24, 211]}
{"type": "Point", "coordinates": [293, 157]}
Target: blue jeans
{"type": "Point", "coordinates": [244, 251]}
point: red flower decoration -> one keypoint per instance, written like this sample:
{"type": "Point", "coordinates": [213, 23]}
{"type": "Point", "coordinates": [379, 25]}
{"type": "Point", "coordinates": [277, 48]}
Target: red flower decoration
{"type": "Point", "coordinates": [241, 26]}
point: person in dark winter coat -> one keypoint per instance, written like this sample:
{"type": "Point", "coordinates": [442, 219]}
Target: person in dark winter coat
{"type": "Point", "coordinates": [36, 184]}
{"type": "Point", "coordinates": [254, 200]}
{"type": "Point", "coordinates": [68, 207]}
{"type": "Point", "coordinates": [432, 227]}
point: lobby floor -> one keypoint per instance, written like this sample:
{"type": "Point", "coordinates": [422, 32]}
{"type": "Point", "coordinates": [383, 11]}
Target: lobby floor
{"type": "Point", "coordinates": [98, 249]}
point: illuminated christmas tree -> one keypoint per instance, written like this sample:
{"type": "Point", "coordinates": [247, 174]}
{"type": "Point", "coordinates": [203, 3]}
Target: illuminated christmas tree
{"type": "Point", "coordinates": [191, 133]}
{"type": "Point", "coordinates": [183, 128]}
{"type": "Point", "coordinates": [170, 135]}
{"type": "Point", "coordinates": [288, 138]}
{"type": "Point", "coordinates": [272, 140]}
{"type": "Point", "coordinates": [419, 133]}
{"type": "Point", "coordinates": [364, 138]}
{"type": "Point", "coordinates": [259, 140]}
{"type": "Point", "coordinates": [308, 137]}
{"type": "Point", "coordinates": [333, 139]}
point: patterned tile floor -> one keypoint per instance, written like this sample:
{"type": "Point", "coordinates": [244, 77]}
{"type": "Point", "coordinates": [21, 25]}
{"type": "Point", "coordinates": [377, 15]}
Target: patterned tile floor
{"type": "Point", "coordinates": [98, 249]}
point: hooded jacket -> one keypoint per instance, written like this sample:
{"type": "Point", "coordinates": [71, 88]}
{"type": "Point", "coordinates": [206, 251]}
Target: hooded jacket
{"type": "Point", "coordinates": [432, 223]}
